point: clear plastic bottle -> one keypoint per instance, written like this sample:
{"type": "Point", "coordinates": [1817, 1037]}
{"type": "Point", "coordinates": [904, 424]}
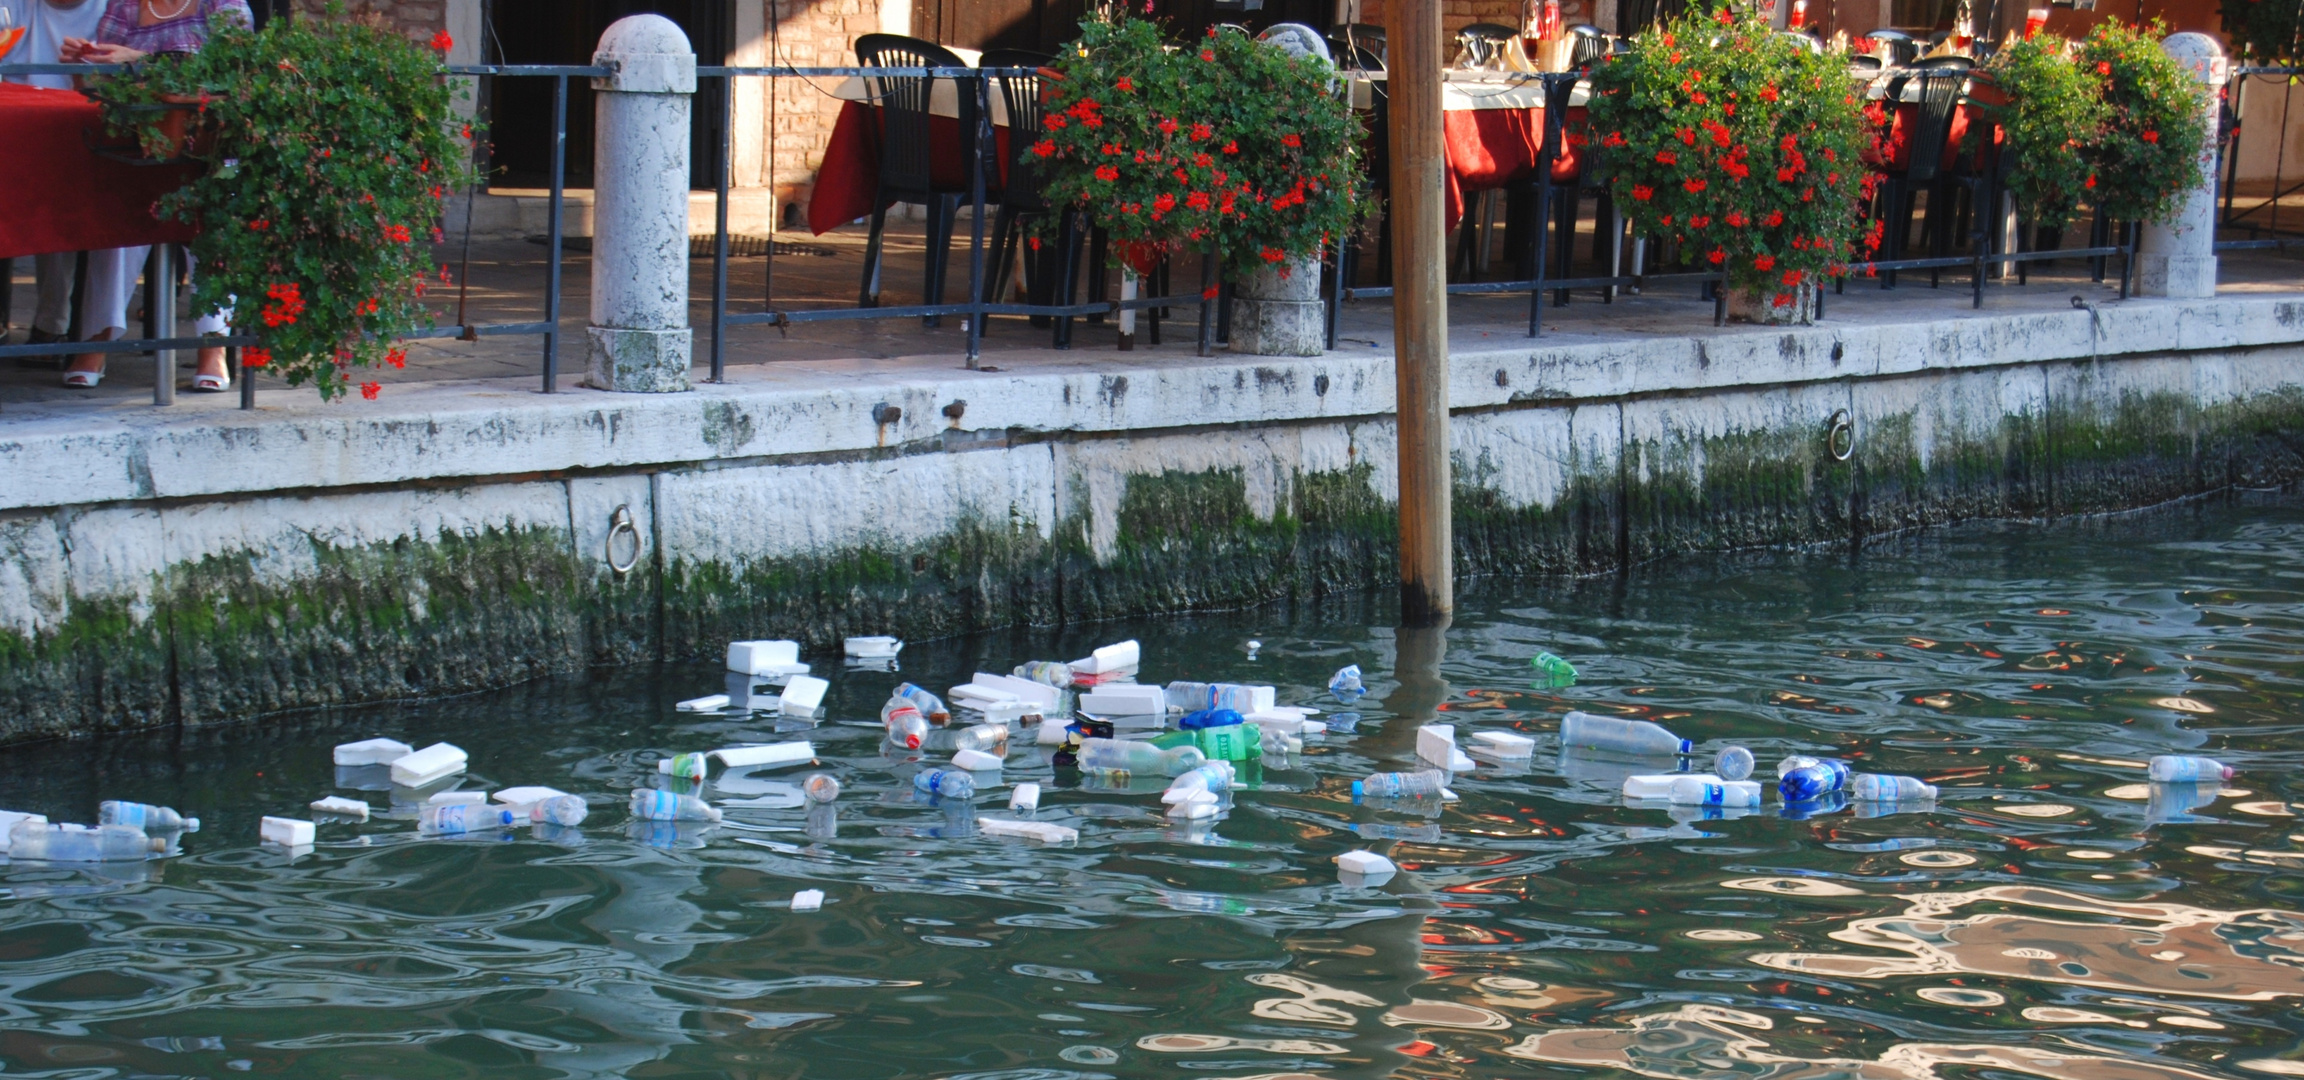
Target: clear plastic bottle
{"type": "Point", "coordinates": [1210, 777]}
{"type": "Point", "coordinates": [1137, 758]}
{"type": "Point", "coordinates": [1801, 778]}
{"type": "Point", "coordinates": [144, 816]}
{"type": "Point", "coordinates": [565, 810]}
{"type": "Point", "coordinates": [931, 707]}
{"type": "Point", "coordinates": [1199, 696]}
{"type": "Point", "coordinates": [1733, 763]}
{"type": "Point", "coordinates": [820, 788]}
{"type": "Point", "coordinates": [1046, 672]}
{"type": "Point", "coordinates": [1612, 735]}
{"type": "Point", "coordinates": [1659, 785]}
{"type": "Point", "coordinates": [1422, 784]}
{"type": "Point", "coordinates": [33, 841]}
{"type": "Point", "coordinates": [988, 738]}
{"type": "Point", "coordinates": [2182, 769]}
{"type": "Point", "coordinates": [1278, 743]}
{"type": "Point", "coordinates": [459, 818]}
{"type": "Point", "coordinates": [686, 767]}
{"type": "Point", "coordinates": [907, 729]}
{"type": "Point", "coordinates": [945, 783]}
{"type": "Point", "coordinates": [1880, 787]}
{"type": "Point", "coordinates": [1346, 684]}
{"type": "Point", "coordinates": [1694, 791]}
{"type": "Point", "coordinates": [652, 805]}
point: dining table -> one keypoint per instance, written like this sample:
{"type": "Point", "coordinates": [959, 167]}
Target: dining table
{"type": "Point", "coordinates": [850, 173]}
{"type": "Point", "coordinates": [1492, 129]}
{"type": "Point", "coordinates": [60, 192]}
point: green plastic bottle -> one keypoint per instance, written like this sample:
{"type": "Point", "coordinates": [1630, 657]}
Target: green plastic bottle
{"type": "Point", "coordinates": [1552, 672]}
{"type": "Point", "coordinates": [1232, 742]}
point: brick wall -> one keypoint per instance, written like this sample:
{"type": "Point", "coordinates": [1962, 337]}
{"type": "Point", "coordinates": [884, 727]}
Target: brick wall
{"type": "Point", "coordinates": [808, 33]}
{"type": "Point", "coordinates": [419, 19]}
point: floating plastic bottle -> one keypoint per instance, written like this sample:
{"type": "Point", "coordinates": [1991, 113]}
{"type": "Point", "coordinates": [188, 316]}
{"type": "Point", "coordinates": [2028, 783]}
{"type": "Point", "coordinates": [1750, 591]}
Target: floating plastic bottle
{"type": "Point", "coordinates": [985, 738]}
{"type": "Point", "coordinates": [1346, 684]}
{"type": "Point", "coordinates": [1054, 673]}
{"type": "Point", "coordinates": [653, 805]}
{"type": "Point", "coordinates": [907, 729]}
{"type": "Point", "coordinates": [1210, 718]}
{"type": "Point", "coordinates": [1732, 763]}
{"type": "Point", "coordinates": [1210, 778]}
{"type": "Point", "coordinates": [144, 816]}
{"type": "Point", "coordinates": [1880, 787]}
{"type": "Point", "coordinates": [1137, 758]}
{"type": "Point", "coordinates": [564, 810]}
{"type": "Point", "coordinates": [1232, 742]}
{"type": "Point", "coordinates": [931, 707]}
{"type": "Point", "coordinates": [1801, 778]}
{"type": "Point", "coordinates": [1699, 791]}
{"type": "Point", "coordinates": [686, 767]}
{"type": "Point", "coordinates": [1276, 742]}
{"type": "Point", "coordinates": [1198, 696]}
{"type": "Point", "coordinates": [822, 822]}
{"type": "Point", "coordinates": [2180, 769]}
{"type": "Point", "coordinates": [1611, 735]}
{"type": "Point", "coordinates": [820, 788]}
{"type": "Point", "coordinates": [1552, 671]}
{"type": "Point", "coordinates": [945, 783]}
{"type": "Point", "coordinates": [457, 819]}
{"type": "Point", "coordinates": [1422, 784]}
{"type": "Point", "coordinates": [34, 841]}
{"type": "Point", "coordinates": [1659, 785]}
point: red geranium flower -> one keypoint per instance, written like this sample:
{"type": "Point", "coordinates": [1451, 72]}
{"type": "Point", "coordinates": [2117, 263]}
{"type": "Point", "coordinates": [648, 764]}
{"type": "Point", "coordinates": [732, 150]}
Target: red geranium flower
{"type": "Point", "coordinates": [2152, 136]}
{"type": "Point", "coordinates": [1044, 148]}
{"type": "Point", "coordinates": [1291, 140]}
{"type": "Point", "coordinates": [1694, 184]}
{"type": "Point", "coordinates": [1764, 262]}
{"type": "Point", "coordinates": [1107, 173]}
{"type": "Point", "coordinates": [1667, 157]}
{"type": "Point", "coordinates": [1167, 125]}
{"type": "Point", "coordinates": [442, 41]}
{"type": "Point", "coordinates": [1202, 132]}
{"type": "Point", "coordinates": [1124, 85]}
{"type": "Point", "coordinates": [1642, 192]}
{"type": "Point", "coordinates": [369, 390]}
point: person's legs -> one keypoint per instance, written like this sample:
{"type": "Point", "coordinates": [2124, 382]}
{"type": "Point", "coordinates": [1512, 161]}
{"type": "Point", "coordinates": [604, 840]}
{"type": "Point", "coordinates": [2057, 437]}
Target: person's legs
{"type": "Point", "coordinates": [112, 277]}
{"type": "Point", "coordinates": [211, 373]}
{"type": "Point", "coordinates": [53, 273]}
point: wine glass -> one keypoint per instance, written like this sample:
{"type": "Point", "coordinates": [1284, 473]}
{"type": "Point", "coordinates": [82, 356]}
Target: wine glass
{"type": "Point", "coordinates": [10, 33]}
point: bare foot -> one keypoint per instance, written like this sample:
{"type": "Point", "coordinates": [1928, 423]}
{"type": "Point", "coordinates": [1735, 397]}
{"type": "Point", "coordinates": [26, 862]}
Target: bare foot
{"type": "Point", "coordinates": [212, 363]}
{"type": "Point", "coordinates": [89, 363]}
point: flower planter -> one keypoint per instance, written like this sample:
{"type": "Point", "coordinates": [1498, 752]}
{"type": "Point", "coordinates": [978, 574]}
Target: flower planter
{"type": "Point", "coordinates": [1753, 306]}
{"type": "Point", "coordinates": [172, 130]}
{"type": "Point", "coordinates": [1277, 312]}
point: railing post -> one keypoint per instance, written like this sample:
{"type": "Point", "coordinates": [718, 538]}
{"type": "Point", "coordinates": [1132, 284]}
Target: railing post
{"type": "Point", "coordinates": [554, 239]}
{"type": "Point", "coordinates": [639, 339]}
{"type": "Point", "coordinates": [163, 299]}
{"type": "Point", "coordinates": [2177, 258]}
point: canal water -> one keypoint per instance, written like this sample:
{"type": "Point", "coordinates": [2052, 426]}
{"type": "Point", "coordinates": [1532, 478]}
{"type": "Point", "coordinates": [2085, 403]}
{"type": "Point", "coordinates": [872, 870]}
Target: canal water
{"type": "Point", "coordinates": [2053, 916]}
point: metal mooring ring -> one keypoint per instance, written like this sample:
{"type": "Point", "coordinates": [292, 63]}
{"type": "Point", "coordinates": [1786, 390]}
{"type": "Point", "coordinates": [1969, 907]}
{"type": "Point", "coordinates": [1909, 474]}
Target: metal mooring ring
{"type": "Point", "coordinates": [1840, 436]}
{"type": "Point", "coordinates": [620, 524]}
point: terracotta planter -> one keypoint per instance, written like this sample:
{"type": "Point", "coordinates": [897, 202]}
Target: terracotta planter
{"type": "Point", "coordinates": [178, 129]}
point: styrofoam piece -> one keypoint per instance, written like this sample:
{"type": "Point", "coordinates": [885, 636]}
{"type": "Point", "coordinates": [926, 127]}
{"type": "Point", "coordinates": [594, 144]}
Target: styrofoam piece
{"type": "Point", "coordinates": [287, 832]}
{"type": "Point", "coordinates": [1041, 694]}
{"type": "Point", "coordinates": [1659, 785]}
{"type": "Point", "coordinates": [976, 761]}
{"type": "Point", "coordinates": [1509, 745]}
{"type": "Point", "coordinates": [372, 752]}
{"type": "Point", "coordinates": [757, 657]}
{"type": "Point", "coordinates": [522, 797]}
{"type": "Point", "coordinates": [809, 899]}
{"type": "Point", "coordinates": [1125, 699]}
{"type": "Point", "coordinates": [1051, 731]}
{"type": "Point", "coordinates": [1350, 880]}
{"type": "Point", "coordinates": [1009, 712]}
{"type": "Point", "coordinates": [1364, 862]}
{"type": "Point", "coordinates": [1289, 720]}
{"type": "Point", "coordinates": [9, 818]}
{"type": "Point", "coordinates": [1111, 658]}
{"type": "Point", "coordinates": [457, 798]}
{"type": "Point", "coordinates": [784, 671]}
{"type": "Point", "coordinates": [748, 757]}
{"type": "Point", "coordinates": [1035, 830]}
{"type": "Point", "coordinates": [876, 646]}
{"type": "Point", "coordinates": [1025, 798]}
{"type": "Point", "coordinates": [434, 762]}
{"type": "Point", "coordinates": [707, 703]}
{"type": "Point", "coordinates": [356, 809]}
{"type": "Point", "coordinates": [802, 695]}
{"type": "Point", "coordinates": [1436, 743]}
{"type": "Point", "coordinates": [979, 697]}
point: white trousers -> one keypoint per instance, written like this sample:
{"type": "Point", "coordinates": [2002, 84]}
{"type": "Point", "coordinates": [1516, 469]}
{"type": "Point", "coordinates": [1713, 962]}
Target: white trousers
{"type": "Point", "coordinates": [112, 277]}
{"type": "Point", "coordinates": [53, 274]}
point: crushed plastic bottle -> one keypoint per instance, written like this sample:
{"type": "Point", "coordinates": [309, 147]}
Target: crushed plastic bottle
{"type": "Point", "coordinates": [1552, 672]}
{"type": "Point", "coordinates": [820, 788]}
{"type": "Point", "coordinates": [1209, 778]}
{"type": "Point", "coordinates": [1422, 784]}
{"type": "Point", "coordinates": [1800, 778]}
{"type": "Point", "coordinates": [1137, 758]}
{"type": "Point", "coordinates": [35, 841]}
{"type": "Point", "coordinates": [1210, 718]}
{"type": "Point", "coordinates": [144, 816]}
{"type": "Point", "coordinates": [931, 707]}
{"type": "Point", "coordinates": [945, 783]}
{"type": "Point", "coordinates": [1880, 787]}
{"type": "Point", "coordinates": [1732, 763]}
{"type": "Point", "coordinates": [1346, 684]}
{"type": "Point", "coordinates": [1054, 673]}
{"type": "Point", "coordinates": [1583, 731]}
{"type": "Point", "coordinates": [653, 805]}
{"type": "Point", "coordinates": [2182, 769]}
{"type": "Point", "coordinates": [984, 738]}
{"type": "Point", "coordinates": [907, 729]}
{"type": "Point", "coordinates": [1696, 791]}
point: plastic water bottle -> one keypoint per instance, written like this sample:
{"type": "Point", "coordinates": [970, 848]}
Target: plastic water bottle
{"type": "Point", "coordinates": [1696, 791]}
{"type": "Point", "coordinates": [1278, 743]}
{"type": "Point", "coordinates": [687, 767]}
{"type": "Point", "coordinates": [652, 805]}
{"type": "Point", "coordinates": [1659, 785]}
{"type": "Point", "coordinates": [820, 788]}
{"type": "Point", "coordinates": [1211, 778]}
{"type": "Point", "coordinates": [1610, 735]}
{"type": "Point", "coordinates": [907, 729]}
{"type": "Point", "coordinates": [945, 783]}
{"type": "Point", "coordinates": [1801, 778]}
{"type": "Point", "coordinates": [1732, 763]}
{"type": "Point", "coordinates": [1197, 696]}
{"type": "Point", "coordinates": [1137, 758]}
{"type": "Point", "coordinates": [1346, 684]}
{"type": "Point", "coordinates": [33, 841]}
{"type": "Point", "coordinates": [1422, 784]}
{"type": "Point", "coordinates": [930, 706]}
{"type": "Point", "coordinates": [1552, 672]}
{"type": "Point", "coordinates": [988, 738]}
{"type": "Point", "coordinates": [1045, 672]}
{"type": "Point", "coordinates": [1880, 787]}
{"type": "Point", "coordinates": [2180, 769]}
{"type": "Point", "coordinates": [144, 816]}
{"type": "Point", "coordinates": [1208, 718]}
{"type": "Point", "coordinates": [564, 810]}
{"type": "Point", "coordinates": [460, 818]}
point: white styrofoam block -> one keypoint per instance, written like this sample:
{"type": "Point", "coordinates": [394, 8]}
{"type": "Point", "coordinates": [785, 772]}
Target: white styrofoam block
{"type": "Point", "coordinates": [287, 832]}
{"type": "Point", "coordinates": [1510, 745]}
{"type": "Point", "coordinates": [9, 818]}
{"type": "Point", "coordinates": [808, 900]}
{"type": "Point", "coordinates": [429, 764]}
{"type": "Point", "coordinates": [979, 696]}
{"type": "Point", "coordinates": [784, 671]}
{"type": "Point", "coordinates": [372, 752]}
{"type": "Point", "coordinates": [355, 809]}
{"type": "Point", "coordinates": [1436, 743]}
{"type": "Point", "coordinates": [707, 703]}
{"type": "Point", "coordinates": [1124, 654]}
{"type": "Point", "coordinates": [457, 798]}
{"type": "Point", "coordinates": [1125, 699]}
{"type": "Point", "coordinates": [1025, 798]}
{"type": "Point", "coordinates": [803, 694]}
{"type": "Point", "coordinates": [783, 753]}
{"type": "Point", "coordinates": [1289, 721]}
{"type": "Point", "coordinates": [521, 797]}
{"type": "Point", "coordinates": [1050, 731]}
{"type": "Point", "coordinates": [876, 646]}
{"type": "Point", "coordinates": [1364, 862]}
{"type": "Point", "coordinates": [1036, 830]}
{"type": "Point", "coordinates": [1041, 694]}
{"type": "Point", "coordinates": [1008, 712]}
{"type": "Point", "coordinates": [1659, 785]}
{"type": "Point", "coordinates": [762, 657]}
{"type": "Point", "coordinates": [976, 761]}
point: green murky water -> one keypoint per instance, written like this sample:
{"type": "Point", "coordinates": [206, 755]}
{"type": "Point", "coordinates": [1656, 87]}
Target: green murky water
{"type": "Point", "coordinates": [2053, 917]}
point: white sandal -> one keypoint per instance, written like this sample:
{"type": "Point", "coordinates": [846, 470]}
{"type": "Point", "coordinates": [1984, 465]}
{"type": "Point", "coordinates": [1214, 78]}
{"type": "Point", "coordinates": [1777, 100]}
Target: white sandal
{"type": "Point", "coordinates": [211, 384]}
{"type": "Point", "coordinates": [83, 380]}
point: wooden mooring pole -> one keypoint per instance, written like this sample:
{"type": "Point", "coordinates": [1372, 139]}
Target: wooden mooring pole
{"type": "Point", "coordinates": [1420, 310]}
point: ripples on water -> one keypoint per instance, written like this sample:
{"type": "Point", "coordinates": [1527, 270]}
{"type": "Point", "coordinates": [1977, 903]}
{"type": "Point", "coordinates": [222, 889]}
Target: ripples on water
{"type": "Point", "coordinates": [2055, 917]}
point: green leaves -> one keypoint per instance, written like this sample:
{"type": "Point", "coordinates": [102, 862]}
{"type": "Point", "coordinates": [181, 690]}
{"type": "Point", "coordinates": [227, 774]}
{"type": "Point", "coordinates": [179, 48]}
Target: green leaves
{"type": "Point", "coordinates": [2146, 154]}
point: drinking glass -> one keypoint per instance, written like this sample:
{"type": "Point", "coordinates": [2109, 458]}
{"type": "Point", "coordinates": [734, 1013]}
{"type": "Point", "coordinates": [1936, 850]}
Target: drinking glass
{"type": "Point", "coordinates": [10, 33]}
{"type": "Point", "coordinates": [2035, 20]}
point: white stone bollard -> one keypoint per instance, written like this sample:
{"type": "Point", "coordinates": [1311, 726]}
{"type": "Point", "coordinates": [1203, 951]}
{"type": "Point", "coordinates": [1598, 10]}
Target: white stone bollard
{"type": "Point", "coordinates": [639, 340]}
{"type": "Point", "coordinates": [2177, 258]}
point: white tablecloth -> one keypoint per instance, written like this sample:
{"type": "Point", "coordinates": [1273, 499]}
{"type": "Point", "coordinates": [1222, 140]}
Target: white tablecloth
{"type": "Point", "coordinates": [943, 97]}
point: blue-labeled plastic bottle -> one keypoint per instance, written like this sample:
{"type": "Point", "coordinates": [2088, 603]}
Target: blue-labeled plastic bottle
{"type": "Point", "coordinates": [1422, 784]}
{"type": "Point", "coordinates": [1732, 763]}
{"type": "Point", "coordinates": [945, 783]}
{"type": "Point", "coordinates": [650, 804]}
{"type": "Point", "coordinates": [2177, 769]}
{"type": "Point", "coordinates": [1208, 718]}
{"type": "Point", "coordinates": [931, 707]}
{"type": "Point", "coordinates": [1881, 787]}
{"type": "Point", "coordinates": [1346, 684]}
{"type": "Point", "coordinates": [1802, 778]}
{"type": "Point", "coordinates": [1612, 735]}
{"type": "Point", "coordinates": [144, 816]}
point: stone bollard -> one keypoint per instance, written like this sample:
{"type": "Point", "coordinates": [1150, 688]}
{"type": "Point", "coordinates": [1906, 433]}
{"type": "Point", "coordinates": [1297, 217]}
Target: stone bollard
{"type": "Point", "coordinates": [1281, 316]}
{"type": "Point", "coordinates": [639, 340]}
{"type": "Point", "coordinates": [2177, 258]}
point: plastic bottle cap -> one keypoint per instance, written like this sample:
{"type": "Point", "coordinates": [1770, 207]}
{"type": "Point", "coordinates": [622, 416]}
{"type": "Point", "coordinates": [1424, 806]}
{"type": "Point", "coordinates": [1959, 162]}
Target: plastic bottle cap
{"type": "Point", "coordinates": [1357, 789]}
{"type": "Point", "coordinates": [2227, 771]}
{"type": "Point", "coordinates": [192, 824]}
{"type": "Point", "coordinates": [1687, 746]}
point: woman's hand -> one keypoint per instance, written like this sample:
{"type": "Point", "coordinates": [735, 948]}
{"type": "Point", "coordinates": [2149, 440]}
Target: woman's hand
{"type": "Point", "coordinates": [91, 53]}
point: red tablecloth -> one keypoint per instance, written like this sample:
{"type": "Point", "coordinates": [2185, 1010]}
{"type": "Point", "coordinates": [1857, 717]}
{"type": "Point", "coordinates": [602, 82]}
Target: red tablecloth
{"type": "Point", "coordinates": [1494, 148]}
{"type": "Point", "coordinates": [851, 169]}
{"type": "Point", "coordinates": [57, 195]}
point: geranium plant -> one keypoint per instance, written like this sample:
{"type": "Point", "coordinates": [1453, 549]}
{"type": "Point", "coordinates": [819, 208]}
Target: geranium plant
{"type": "Point", "coordinates": [1225, 140]}
{"type": "Point", "coordinates": [2050, 114]}
{"type": "Point", "coordinates": [335, 142]}
{"type": "Point", "coordinates": [1742, 145]}
{"type": "Point", "coordinates": [2147, 154]}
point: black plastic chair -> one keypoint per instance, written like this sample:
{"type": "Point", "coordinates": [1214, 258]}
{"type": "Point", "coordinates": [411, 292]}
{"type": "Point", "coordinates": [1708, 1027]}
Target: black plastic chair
{"type": "Point", "coordinates": [1941, 87]}
{"type": "Point", "coordinates": [1357, 36]}
{"type": "Point", "coordinates": [907, 156]}
{"type": "Point", "coordinates": [1021, 200]}
{"type": "Point", "coordinates": [1480, 46]}
{"type": "Point", "coordinates": [1591, 44]}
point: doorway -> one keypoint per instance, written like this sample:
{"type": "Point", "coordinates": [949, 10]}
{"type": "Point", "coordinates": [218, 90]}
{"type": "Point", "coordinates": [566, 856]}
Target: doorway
{"type": "Point", "coordinates": [519, 108]}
